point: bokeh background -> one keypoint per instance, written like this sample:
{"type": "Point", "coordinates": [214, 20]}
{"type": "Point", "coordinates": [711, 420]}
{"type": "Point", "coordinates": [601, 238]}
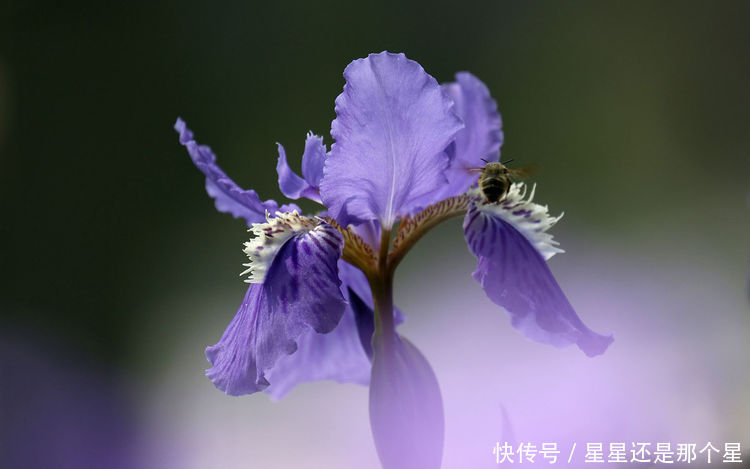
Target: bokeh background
{"type": "Point", "coordinates": [117, 271]}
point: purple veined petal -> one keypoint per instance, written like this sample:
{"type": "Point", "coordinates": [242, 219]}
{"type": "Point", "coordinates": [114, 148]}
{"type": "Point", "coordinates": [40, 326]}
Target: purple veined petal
{"type": "Point", "coordinates": [481, 136]}
{"type": "Point", "coordinates": [337, 356]}
{"type": "Point", "coordinates": [512, 245]}
{"type": "Point", "coordinates": [228, 196]}
{"type": "Point", "coordinates": [344, 354]}
{"type": "Point", "coordinates": [293, 186]}
{"type": "Point", "coordinates": [392, 124]}
{"type": "Point", "coordinates": [406, 409]}
{"type": "Point", "coordinates": [299, 291]}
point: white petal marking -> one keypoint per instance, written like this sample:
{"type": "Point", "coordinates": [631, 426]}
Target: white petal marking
{"type": "Point", "coordinates": [530, 219]}
{"type": "Point", "coordinates": [269, 237]}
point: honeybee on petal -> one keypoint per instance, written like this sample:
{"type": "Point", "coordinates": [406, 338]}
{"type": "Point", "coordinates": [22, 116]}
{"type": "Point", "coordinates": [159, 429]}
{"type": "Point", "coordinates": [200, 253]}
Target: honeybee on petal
{"type": "Point", "coordinates": [495, 178]}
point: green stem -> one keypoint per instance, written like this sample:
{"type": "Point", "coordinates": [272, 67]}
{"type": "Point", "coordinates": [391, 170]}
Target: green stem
{"type": "Point", "coordinates": [380, 275]}
{"type": "Point", "coordinates": [381, 284]}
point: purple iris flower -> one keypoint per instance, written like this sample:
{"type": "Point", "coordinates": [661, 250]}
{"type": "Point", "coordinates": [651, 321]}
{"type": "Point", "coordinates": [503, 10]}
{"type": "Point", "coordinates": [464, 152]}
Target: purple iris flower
{"type": "Point", "coordinates": [320, 300]}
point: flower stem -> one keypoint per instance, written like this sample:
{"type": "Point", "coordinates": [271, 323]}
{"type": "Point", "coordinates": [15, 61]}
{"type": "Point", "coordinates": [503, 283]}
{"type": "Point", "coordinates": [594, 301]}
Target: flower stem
{"type": "Point", "coordinates": [381, 284]}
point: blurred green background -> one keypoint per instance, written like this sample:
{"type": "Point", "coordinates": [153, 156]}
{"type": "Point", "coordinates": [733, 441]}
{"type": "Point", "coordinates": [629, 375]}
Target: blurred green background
{"type": "Point", "coordinates": [638, 112]}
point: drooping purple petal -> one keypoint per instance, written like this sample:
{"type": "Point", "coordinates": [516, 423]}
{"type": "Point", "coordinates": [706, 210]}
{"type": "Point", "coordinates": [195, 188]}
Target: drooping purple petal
{"type": "Point", "coordinates": [511, 243]}
{"type": "Point", "coordinates": [481, 136]}
{"type": "Point", "coordinates": [290, 183]}
{"type": "Point", "coordinates": [406, 409]}
{"type": "Point", "coordinates": [359, 297]}
{"type": "Point", "coordinates": [344, 354]}
{"type": "Point", "coordinates": [353, 278]}
{"type": "Point", "coordinates": [228, 196]}
{"type": "Point", "coordinates": [300, 292]}
{"type": "Point", "coordinates": [364, 320]}
{"type": "Point", "coordinates": [393, 123]}
{"type": "Point", "coordinates": [337, 356]}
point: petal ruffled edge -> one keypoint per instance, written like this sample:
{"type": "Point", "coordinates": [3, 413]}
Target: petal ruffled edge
{"type": "Point", "coordinates": [301, 293]}
{"type": "Point", "coordinates": [336, 356]}
{"type": "Point", "coordinates": [481, 137]}
{"type": "Point", "coordinates": [313, 160]}
{"type": "Point", "coordinates": [228, 196]}
{"type": "Point", "coordinates": [270, 237]}
{"type": "Point", "coordinates": [292, 185]}
{"type": "Point", "coordinates": [344, 355]}
{"type": "Point", "coordinates": [512, 245]}
{"type": "Point", "coordinates": [393, 123]}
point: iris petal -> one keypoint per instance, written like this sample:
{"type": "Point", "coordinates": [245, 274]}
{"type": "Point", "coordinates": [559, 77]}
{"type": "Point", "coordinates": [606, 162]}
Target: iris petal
{"type": "Point", "coordinates": [300, 292]}
{"type": "Point", "coordinates": [313, 159]}
{"type": "Point", "coordinates": [392, 125]}
{"type": "Point", "coordinates": [344, 354]}
{"type": "Point", "coordinates": [406, 409]}
{"type": "Point", "coordinates": [339, 355]}
{"type": "Point", "coordinates": [481, 136]}
{"type": "Point", "coordinates": [292, 185]}
{"type": "Point", "coordinates": [228, 196]}
{"type": "Point", "coordinates": [511, 242]}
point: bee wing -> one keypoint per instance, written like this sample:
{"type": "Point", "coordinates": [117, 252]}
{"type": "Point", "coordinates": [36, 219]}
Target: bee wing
{"type": "Point", "coordinates": [524, 171]}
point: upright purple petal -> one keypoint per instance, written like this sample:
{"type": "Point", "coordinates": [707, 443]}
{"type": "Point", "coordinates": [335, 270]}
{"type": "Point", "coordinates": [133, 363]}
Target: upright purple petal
{"type": "Point", "coordinates": [300, 291]}
{"type": "Point", "coordinates": [406, 409]}
{"type": "Point", "coordinates": [290, 183]}
{"type": "Point", "coordinates": [393, 123]}
{"type": "Point", "coordinates": [511, 242]}
{"type": "Point", "coordinates": [228, 196]}
{"type": "Point", "coordinates": [313, 160]}
{"type": "Point", "coordinates": [481, 136]}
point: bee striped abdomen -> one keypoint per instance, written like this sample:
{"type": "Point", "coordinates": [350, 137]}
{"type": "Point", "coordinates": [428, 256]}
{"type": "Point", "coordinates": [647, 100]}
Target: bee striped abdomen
{"type": "Point", "coordinates": [493, 188]}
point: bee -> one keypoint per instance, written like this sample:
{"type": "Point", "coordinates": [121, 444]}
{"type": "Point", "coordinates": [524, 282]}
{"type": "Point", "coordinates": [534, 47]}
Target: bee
{"type": "Point", "coordinates": [495, 178]}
